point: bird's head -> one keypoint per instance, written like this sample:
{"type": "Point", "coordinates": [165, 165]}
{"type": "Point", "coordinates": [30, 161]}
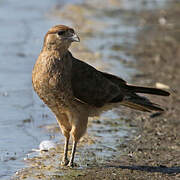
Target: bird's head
{"type": "Point", "coordinates": [60, 37]}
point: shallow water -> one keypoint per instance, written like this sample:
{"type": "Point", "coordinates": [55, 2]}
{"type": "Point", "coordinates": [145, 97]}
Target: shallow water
{"type": "Point", "coordinates": [24, 120]}
{"type": "Point", "coordinates": [23, 24]}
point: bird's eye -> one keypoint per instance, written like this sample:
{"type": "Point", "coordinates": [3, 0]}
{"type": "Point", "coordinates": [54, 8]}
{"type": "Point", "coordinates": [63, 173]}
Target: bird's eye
{"type": "Point", "coordinates": [71, 31]}
{"type": "Point", "coordinates": [60, 33]}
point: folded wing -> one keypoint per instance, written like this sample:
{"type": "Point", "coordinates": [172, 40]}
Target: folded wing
{"type": "Point", "coordinates": [90, 86]}
{"type": "Point", "coordinates": [99, 88]}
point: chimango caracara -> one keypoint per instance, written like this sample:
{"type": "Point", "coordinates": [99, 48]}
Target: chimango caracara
{"type": "Point", "coordinates": [74, 90]}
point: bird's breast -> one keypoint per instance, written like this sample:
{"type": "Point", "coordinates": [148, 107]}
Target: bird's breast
{"type": "Point", "coordinates": [51, 79]}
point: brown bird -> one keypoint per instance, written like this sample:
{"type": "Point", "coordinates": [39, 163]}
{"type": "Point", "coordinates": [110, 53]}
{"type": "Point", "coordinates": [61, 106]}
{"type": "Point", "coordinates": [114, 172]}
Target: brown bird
{"type": "Point", "coordinates": [74, 90]}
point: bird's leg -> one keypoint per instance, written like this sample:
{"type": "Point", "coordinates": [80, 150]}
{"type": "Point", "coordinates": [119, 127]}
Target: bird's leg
{"type": "Point", "coordinates": [65, 160]}
{"type": "Point", "coordinates": [77, 131]}
{"type": "Point", "coordinates": [71, 164]}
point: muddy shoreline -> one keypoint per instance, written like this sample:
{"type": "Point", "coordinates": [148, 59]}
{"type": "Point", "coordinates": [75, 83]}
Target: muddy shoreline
{"type": "Point", "coordinates": [154, 152]}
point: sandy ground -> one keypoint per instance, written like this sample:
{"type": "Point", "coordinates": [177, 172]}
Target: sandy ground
{"type": "Point", "coordinates": [154, 153]}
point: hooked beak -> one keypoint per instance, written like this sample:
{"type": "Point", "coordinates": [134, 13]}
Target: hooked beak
{"type": "Point", "coordinates": [75, 38]}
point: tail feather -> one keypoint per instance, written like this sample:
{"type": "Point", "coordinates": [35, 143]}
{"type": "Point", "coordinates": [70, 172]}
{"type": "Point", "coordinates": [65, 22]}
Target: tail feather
{"type": "Point", "coordinates": [147, 90]}
{"type": "Point", "coordinates": [134, 106]}
{"type": "Point", "coordinates": [140, 103]}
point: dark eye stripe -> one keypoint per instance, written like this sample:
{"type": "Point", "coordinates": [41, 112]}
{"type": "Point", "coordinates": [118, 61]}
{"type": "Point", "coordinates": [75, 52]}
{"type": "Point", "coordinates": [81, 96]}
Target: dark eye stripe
{"type": "Point", "coordinates": [61, 33]}
{"type": "Point", "coordinates": [71, 30]}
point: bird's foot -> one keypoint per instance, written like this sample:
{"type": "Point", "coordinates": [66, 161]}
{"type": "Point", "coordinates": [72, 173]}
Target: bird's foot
{"type": "Point", "coordinates": [64, 162]}
{"type": "Point", "coordinates": [71, 164]}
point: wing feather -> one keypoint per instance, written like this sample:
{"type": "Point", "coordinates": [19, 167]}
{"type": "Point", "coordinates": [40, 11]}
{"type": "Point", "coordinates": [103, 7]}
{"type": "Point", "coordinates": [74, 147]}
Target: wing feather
{"type": "Point", "coordinates": [90, 85]}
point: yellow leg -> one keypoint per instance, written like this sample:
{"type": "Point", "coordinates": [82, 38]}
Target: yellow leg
{"type": "Point", "coordinates": [71, 162]}
{"type": "Point", "coordinates": [65, 160]}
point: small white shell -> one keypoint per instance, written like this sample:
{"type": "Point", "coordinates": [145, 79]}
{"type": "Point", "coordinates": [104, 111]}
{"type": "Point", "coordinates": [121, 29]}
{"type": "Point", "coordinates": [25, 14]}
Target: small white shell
{"type": "Point", "coordinates": [46, 145]}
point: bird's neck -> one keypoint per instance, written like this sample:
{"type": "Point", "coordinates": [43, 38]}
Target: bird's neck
{"type": "Point", "coordinates": [56, 51]}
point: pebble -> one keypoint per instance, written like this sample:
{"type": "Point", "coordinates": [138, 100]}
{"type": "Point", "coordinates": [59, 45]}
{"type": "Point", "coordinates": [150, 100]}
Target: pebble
{"type": "Point", "coordinates": [162, 86]}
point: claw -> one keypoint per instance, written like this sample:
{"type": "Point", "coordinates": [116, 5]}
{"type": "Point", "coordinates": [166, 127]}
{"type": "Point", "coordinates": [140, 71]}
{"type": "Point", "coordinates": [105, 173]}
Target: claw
{"type": "Point", "coordinates": [65, 162]}
{"type": "Point", "coordinates": [71, 165]}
